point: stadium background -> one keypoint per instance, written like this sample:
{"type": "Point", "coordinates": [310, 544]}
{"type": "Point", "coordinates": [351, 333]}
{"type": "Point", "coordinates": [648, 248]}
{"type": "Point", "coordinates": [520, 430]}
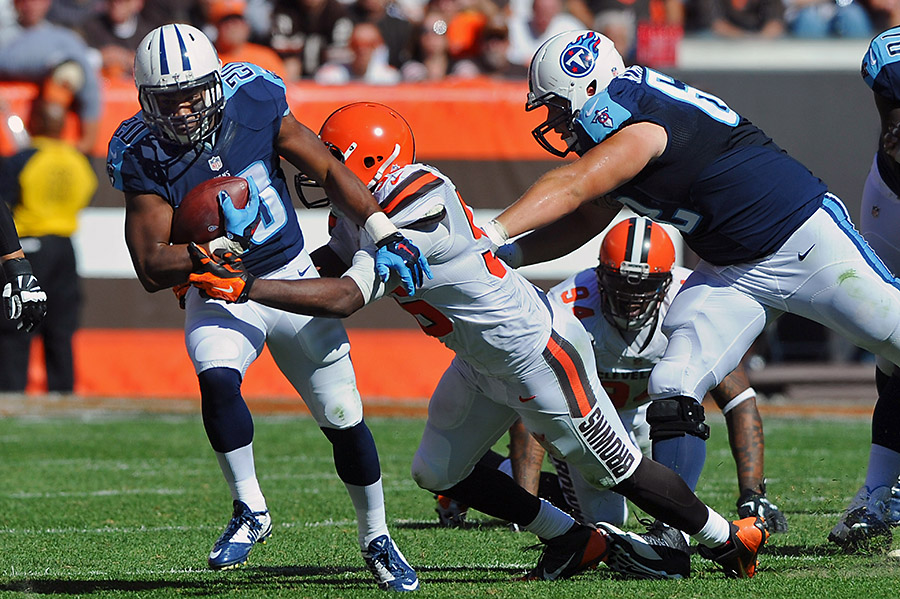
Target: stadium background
{"type": "Point", "coordinates": [807, 95]}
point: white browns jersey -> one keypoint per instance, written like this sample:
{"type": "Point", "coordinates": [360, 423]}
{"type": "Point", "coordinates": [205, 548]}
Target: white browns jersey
{"type": "Point", "coordinates": [624, 358]}
{"type": "Point", "coordinates": [492, 317]}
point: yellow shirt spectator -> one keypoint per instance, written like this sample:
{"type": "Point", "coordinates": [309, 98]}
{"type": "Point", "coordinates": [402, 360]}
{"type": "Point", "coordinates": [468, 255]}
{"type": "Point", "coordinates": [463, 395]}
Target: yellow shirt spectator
{"type": "Point", "coordinates": [56, 183]}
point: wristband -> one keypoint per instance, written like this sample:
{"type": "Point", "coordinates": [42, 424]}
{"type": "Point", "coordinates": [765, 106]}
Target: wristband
{"type": "Point", "coordinates": [379, 226]}
{"type": "Point", "coordinates": [16, 267]}
{"type": "Point", "coordinates": [362, 272]}
{"type": "Point", "coordinates": [496, 232]}
{"type": "Point", "coordinates": [739, 399]}
{"type": "Point", "coordinates": [223, 243]}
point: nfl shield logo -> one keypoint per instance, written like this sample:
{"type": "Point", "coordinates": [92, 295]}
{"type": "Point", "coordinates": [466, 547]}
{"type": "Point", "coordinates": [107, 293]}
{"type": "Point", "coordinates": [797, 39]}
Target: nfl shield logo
{"type": "Point", "coordinates": [578, 58]}
{"type": "Point", "coordinates": [215, 163]}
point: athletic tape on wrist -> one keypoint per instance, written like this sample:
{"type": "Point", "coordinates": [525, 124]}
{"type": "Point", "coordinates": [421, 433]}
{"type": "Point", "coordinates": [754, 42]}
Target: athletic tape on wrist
{"type": "Point", "coordinates": [362, 273]}
{"type": "Point", "coordinates": [379, 226]}
{"type": "Point", "coordinates": [739, 399]}
{"type": "Point", "coordinates": [496, 232]}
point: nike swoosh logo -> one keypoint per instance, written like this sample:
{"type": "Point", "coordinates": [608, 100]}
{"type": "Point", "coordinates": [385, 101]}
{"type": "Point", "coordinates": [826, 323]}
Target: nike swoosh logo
{"type": "Point", "coordinates": [524, 399]}
{"type": "Point", "coordinates": [228, 289]}
{"type": "Point", "coordinates": [554, 574]}
{"type": "Point", "coordinates": [802, 257]}
{"type": "Point", "coordinates": [303, 272]}
{"type": "Point", "coordinates": [215, 554]}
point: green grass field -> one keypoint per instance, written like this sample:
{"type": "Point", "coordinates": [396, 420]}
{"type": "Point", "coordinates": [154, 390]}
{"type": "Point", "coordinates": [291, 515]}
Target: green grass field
{"type": "Point", "coordinates": [129, 506]}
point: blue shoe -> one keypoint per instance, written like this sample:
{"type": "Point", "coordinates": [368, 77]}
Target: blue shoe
{"type": "Point", "coordinates": [242, 533]}
{"type": "Point", "coordinates": [390, 568]}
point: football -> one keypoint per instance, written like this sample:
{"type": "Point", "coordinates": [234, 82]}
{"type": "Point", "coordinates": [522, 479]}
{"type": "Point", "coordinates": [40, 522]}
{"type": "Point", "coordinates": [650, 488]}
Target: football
{"type": "Point", "coordinates": [199, 217]}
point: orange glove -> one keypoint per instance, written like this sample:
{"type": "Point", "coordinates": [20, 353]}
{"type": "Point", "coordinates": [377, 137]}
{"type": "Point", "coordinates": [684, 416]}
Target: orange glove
{"type": "Point", "coordinates": [221, 275]}
{"type": "Point", "coordinates": [180, 292]}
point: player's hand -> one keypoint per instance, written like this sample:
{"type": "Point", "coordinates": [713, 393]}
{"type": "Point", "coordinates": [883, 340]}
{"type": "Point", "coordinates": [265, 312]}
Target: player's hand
{"type": "Point", "coordinates": [23, 299]}
{"type": "Point", "coordinates": [397, 253]}
{"type": "Point", "coordinates": [240, 222]}
{"type": "Point", "coordinates": [220, 275]}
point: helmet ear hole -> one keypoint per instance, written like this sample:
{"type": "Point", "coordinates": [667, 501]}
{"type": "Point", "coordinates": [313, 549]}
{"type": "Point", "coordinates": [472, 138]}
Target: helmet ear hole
{"type": "Point", "coordinates": [591, 88]}
{"type": "Point", "coordinates": [369, 162]}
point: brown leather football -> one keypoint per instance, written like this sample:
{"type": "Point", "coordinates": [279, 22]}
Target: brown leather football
{"type": "Point", "coordinates": [199, 217]}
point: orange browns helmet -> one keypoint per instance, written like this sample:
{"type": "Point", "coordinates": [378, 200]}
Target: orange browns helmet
{"type": "Point", "coordinates": [369, 138]}
{"type": "Point", "coordinates": [636, 259]}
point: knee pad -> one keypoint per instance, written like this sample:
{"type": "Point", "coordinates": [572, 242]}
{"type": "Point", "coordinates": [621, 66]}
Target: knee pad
{"type": "Point", "coordinates": [428, 477]}
{"type": "Point", "coordinates": [676, 417]}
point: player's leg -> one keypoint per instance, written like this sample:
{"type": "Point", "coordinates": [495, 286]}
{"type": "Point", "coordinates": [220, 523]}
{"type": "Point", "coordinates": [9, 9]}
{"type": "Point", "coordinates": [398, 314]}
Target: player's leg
{"type": "Point", "coordinates": [710, 325]}
{"type": "Point", "coordinates": [578, 423]}
{"type": "Point", "coordinates": [63, 312]}
{"type": "Point", "coordinates": [313, 353]}
{"type": "Point", "coordinates": [222, 341]}
{"type": "Point", "coordinates": [854, 293]}
{"type": "Point", "coordinates": [737, 400]}
{"type": "Point", "coordinates": [464, 421]}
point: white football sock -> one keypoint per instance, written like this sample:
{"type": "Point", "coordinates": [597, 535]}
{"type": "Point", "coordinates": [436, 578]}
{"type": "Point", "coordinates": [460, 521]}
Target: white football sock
{"type": "Point", "coordinates": [368, 502]}
{"type": "Point", "coordinates": [550, 521]}
{"type": "Point", "coordinates": [716, 530]}
{"type": "Point", "coordinates": [884, 467]}
{"type": "Point", "coordinates": [240, 474]}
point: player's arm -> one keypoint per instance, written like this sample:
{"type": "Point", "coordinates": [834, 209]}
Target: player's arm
{"type": "Point", "coordinates": [148, 224]}
{"type": "Point", "coordinates": [561, 237]}
{"type": "Point", "coordinates": [303, 148]}
{"type": "Point", "coordinates": [222, 276]}
{"type": "Point", "coordinates": [737, 400]}
{"type": "Point", "coordinates": [561, 191]}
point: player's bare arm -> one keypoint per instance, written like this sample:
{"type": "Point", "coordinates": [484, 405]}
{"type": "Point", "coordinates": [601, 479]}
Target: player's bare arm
{"type": "Point", "coordinates": [148, 222]}
{"type": "Point", "coordinates": [302, 148]}
{"type": "Point", "coordinates": [601, 170]}
{"type": "Point", "coordinates": [222, 276]}
{"type": "Point", "coordinates": [568, 233]}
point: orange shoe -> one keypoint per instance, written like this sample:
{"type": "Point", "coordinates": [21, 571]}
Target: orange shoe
{"type": "Point", "coordinates": [738, 556]}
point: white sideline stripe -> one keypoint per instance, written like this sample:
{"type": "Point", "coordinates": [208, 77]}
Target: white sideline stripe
{"type": "Point", "coordinates": [154, 529]}
{"type": "Point", "coordinates": [101, 252]}
{"type": "Point", "coordinates": [103, 493]}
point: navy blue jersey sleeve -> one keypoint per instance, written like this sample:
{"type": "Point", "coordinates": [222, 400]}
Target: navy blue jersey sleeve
{"type": "Point", "coordinates": [257, 96]}
{"type": "Point", "coordinates": [881, 64]}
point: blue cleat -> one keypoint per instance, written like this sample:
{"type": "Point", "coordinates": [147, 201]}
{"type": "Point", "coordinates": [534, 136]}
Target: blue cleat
{"type": "Point", "coordinates": [242, 533]}
{"type": "Point", "coordinates": [390, 568]}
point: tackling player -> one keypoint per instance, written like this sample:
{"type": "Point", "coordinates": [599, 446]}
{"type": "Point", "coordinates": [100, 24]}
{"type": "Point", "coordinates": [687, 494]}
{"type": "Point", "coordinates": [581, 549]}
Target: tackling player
{"type": "Point", "coordinates": [199, 120]}
{"type": "Point", "coordinates": [771, 237]}
{"type": "Point", "coordinates": [865, 522]}
{"type": "Point", "coordinates": [517, 355]}
{"type": "Point", "coordinates": [622, 303]}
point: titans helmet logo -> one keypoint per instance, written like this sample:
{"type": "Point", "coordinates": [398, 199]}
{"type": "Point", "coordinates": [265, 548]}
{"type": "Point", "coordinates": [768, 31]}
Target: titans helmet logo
{"type": "Point", "coordinates": [579, 56]}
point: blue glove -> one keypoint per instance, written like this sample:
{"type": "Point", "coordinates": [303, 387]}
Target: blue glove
{"type": "Point", "coordinates": [240, 222]}
{"type": "Point", "coordinates": [397, 253]}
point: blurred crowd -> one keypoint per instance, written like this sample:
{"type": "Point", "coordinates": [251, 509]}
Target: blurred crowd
{"type": "Point", "coordinates": [388, 41]}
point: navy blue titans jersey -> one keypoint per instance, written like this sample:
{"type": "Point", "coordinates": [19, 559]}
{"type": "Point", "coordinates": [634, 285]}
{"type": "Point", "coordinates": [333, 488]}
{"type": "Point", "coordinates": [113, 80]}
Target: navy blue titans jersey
{"type": "Point", "coordinates": [881, 72]}
{"type": "Point", "coordinates": [731, 191]}
{"type": "Point", "coordinates": [255, 102]}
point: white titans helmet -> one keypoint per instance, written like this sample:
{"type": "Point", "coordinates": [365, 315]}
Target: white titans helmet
{"type": "Point", "coordinates": [174, 64]}
{"type": "Point", "coordinates": [566, 70]}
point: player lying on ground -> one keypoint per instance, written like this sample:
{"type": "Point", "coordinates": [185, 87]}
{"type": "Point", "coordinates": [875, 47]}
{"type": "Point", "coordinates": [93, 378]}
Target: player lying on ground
{"type": "Point", "coordinates": [517, 356]}
{"type": "Point", "coordinates": [622, 303]}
